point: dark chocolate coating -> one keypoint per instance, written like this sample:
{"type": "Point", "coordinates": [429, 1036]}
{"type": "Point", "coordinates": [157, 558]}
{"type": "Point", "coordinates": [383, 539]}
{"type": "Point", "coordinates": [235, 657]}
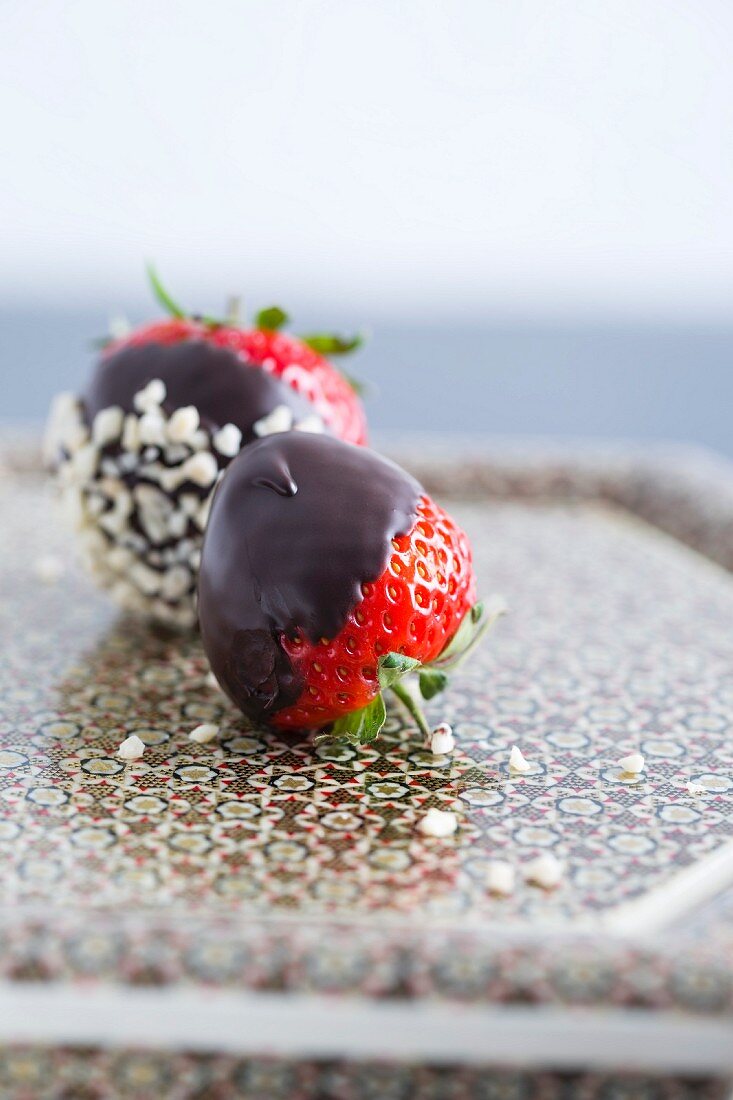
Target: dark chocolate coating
{"type": "Point", "coordinates": [298, 523]}
{"type": "Point", "coordinates": [224, 389]}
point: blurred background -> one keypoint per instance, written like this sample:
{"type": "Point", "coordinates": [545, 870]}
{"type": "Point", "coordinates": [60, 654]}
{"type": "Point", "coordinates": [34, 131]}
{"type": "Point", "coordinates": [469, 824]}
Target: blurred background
{"type": "Point", "coordinates": [528, 204]}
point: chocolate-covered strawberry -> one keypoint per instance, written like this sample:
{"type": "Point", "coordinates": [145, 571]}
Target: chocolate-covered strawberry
{"type": "Point", "coordinates": [166, 409]}
{"type": "Point", "coordinates": [327, 576]}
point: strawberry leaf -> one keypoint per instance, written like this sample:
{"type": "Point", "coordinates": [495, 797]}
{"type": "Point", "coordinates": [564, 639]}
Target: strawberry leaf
{"type": "Point", "coordinates": [329, 343]}
{"type": "Point", "coordinates": [164, 298]}
{"type": "Point", "coordinates": [432, 681]}
{"type": "Point", "coordinates": [475, 624]}
{"type": "Point", "coordinates": [271, 319]}
{"type": "Point", "coordinates": [392, 667]}
{"type": "Point", "coordinates": [360, 726]}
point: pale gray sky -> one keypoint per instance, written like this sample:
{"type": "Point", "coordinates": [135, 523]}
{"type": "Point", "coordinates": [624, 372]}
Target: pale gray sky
{"type": "Point", "coordinates": [533, 157]}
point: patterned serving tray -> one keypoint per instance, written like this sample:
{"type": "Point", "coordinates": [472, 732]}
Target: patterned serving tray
{"type": "Point", "coordinates": [260, 866]}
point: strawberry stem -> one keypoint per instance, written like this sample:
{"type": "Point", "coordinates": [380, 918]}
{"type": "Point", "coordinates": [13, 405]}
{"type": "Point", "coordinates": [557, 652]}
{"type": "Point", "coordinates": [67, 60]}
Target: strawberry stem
{"type": "Point", "coordinates": [233, 316]}
{"type": "Point", "coordinates": [408, 700]}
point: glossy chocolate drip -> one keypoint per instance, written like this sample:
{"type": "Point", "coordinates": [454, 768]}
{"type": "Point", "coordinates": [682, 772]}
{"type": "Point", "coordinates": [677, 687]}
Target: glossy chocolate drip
{"type": "Point", "coordinates": [298, 524]}
{"type": "Point", "coordinates": [224, 389]}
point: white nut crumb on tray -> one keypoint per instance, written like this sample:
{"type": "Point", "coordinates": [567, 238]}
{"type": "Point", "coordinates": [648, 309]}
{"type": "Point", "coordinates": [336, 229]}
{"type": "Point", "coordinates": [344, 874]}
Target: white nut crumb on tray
{"type": "Point", "coordinates": [696, 789]}
{"type": "Point", "coordinates": [207, 731]}
{"type": "Point", "coordinates": [632, 764]}
{"type": "Point", "coordinates": [438, 823]}
{"type": "Point", "coordinates": [545, 871]}
{"type": "Point", "coordinates": [131, 748]}
{"type": "Point", "coordinates": [212, 682]}
{"type": "Point", "coordinates": [48, 569]}
{"type": "Point", "coordinates": [500, 877]}
{"type": "Point", "coordinates": [441, 740]}
{"type": "Point", "coordinates": [517, 761]}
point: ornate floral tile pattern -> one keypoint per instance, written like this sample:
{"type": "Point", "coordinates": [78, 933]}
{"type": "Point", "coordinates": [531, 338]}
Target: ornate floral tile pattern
{"type": "Point", "coordinates": [44, 1074]}
{"type": "Point", "coordinates": [225, 862]}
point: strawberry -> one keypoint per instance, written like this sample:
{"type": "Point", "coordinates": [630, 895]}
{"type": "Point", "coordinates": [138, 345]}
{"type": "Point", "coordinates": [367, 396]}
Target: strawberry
{"type": "Point", "coordinates": [328, 576]}
{"type": "Point", "coordinates": [297, 361]}
{"type": "Point", "coordinates": [167, 407]}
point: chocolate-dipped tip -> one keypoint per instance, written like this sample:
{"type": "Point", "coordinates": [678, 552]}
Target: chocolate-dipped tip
{"type": "Point", "coordinates": [223, 387]}
{"type": "Point", "coordinates": [275, 563]}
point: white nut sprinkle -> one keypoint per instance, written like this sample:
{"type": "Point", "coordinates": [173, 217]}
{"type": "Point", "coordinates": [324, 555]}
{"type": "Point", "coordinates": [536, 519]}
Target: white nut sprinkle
{"type": "Point", "coordinates": [201, 469]}
{"type": "Point", "coordinates": [517, 761]}
{"type": "Point", "coordinates": [202, 514]}
{"type": "Point", "coordinates": [131, 434]}
{"type": "Point", "coordinates": [189, 503]}
{"type": "Point", "coordinates": [207, 731]}
{"type": "Point", "coordinates": [696, 789]}
{"type": "Point", "coordinates": [147, 580]}
{"type": "Point", "coordinates": [119, 558]}
{"type": "Point", "coordinates": [212, 682]}
{"type": "Point", "coordinates": [183, 424]}
{"type": "Point", "coordinates": [63, 421]}
{"type": "Point", "coordinates": [107, 425]}
{"type": "Point", "coordinates": [170, 479]}
{"type": "Point", "coordinates": [74, 437]}
{"type": "Point", "coordinates": [438, 823]}
{"type": "Point", "coordinates": [279, 420]}
{"type": "Point", "coordinates": [114, 522]}
{"type": "Point", "coordinates": [500, 877]}
{"type": "Point", "coordinates": [72, 502]}
{"type": "Point", "coordinates": [108, 466]}
{"type": "Point", "coordinates": [546, 871]}
{"type": "Point", "coordinates": [177, 525]}
{"type": "Point", "coordinates": [310, 424]}
{"type": "Point", "coordinates": [177, 452]}
{"type": "Point", "coordinates": [48, 569]}
{"type": "Point", "coordinates": [150, 499]}
{"type": "Point", "coordinates": [228, 440]}
{"type": "Point", "coordinates": [84, 462]}
{"type": "Point", "coordinates": [152, 430]}
{"type": "Point", "coordinates": [131, 748]}
{"type": "Point", "coordinates": [632, 764]}
{"type": "Point", "coordinates": [199, 440]}
{"type": "Point", "coordinates": [151, 396]}
{"type": "Point", "coordinates": [442, 740]}
{"type": "Point", "coordinates": [176, 582]}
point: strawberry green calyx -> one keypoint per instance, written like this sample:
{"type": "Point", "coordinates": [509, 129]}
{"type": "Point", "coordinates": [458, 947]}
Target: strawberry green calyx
{"type": "Point", "coordinates": [475, 625]}
{"type": "Point", "coordinates": [361, 726]}
{"type": "Point", "coordinates": [329, 343]}
{"type": "Point", "coordinates": [410, 681]}
{"type": "Point", "coordinates": [172, 307]}
{"type": "Point", "coordinates": [162, 295]}
{"type": "Point", "coordinates": [271, 319]}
